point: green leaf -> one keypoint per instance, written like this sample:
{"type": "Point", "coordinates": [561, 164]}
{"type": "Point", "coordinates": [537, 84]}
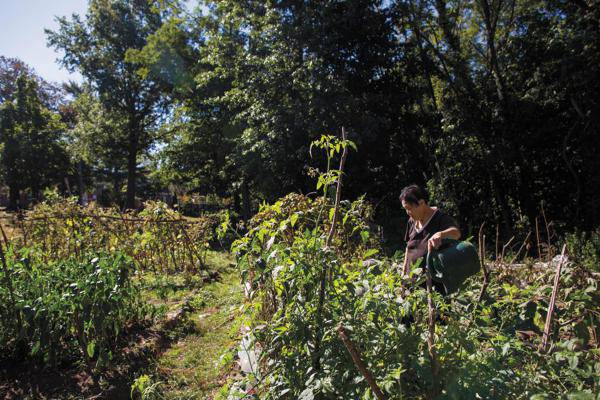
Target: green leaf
{"type": "Point", "coordinates": [293, 219]}
{"type": "Point", "coordinates": [370, 253]}
{"type": "Point", "coordinates": [35, 348]}
{"type": "Point", "coordinates": [91, 347]}
{"type": "Point", "coordinates": [364, 236]}
{"type": "Point", "coordinates": [505, 348]}
{"type": "Point", "coordinates": [345, 219]}
{"type": "Point", "coordinates": [573, 361]}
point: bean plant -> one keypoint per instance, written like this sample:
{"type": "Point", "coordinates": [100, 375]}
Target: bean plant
{"type": "Point", "coordinates": [156, 238]}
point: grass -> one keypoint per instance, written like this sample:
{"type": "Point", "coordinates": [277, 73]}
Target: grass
{"type": "Point", "coordinates": [200, 356]}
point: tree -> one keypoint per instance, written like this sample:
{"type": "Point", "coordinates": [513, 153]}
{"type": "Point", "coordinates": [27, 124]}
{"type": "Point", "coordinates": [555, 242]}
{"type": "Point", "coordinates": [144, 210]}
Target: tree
{"type": "Point", "coordinates": [51, 95]}
{"type": "Point", "coordinates": [290, 71]}
{"type": "Point", "coordinates": [98, 47]}
{"type": "Point", "coordinates": [33, 155]}
{"type": "Point", "coordinates": [94, 140]}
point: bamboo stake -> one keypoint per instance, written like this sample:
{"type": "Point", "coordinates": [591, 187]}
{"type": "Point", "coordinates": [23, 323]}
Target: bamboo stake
{"type": "Point", "coordinates": [354, 353]}
{"type": "Point", "coordinates": [553, 300]}
{"type": "Point", "coordinates": [486, 273]}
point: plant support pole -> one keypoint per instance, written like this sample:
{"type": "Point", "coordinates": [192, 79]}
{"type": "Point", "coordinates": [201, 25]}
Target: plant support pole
{"type": "Point", "coordinates": [435, 367]}
{"type": "Point", "coordinates": [359, 363]}
{"type": "Point", "coordinates": [553, 300]}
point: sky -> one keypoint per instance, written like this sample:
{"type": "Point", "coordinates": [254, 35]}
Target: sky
{"type": "Point", "coordinates": [22, 24]}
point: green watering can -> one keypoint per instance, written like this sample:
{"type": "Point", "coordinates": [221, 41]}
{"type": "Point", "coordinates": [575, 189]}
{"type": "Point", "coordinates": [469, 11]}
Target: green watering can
{"type": "Point", "coordinates": [452, 263]}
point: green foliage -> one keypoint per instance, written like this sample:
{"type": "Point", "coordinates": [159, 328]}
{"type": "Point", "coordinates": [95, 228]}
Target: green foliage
{"type": "Point", "coordinates": [69, 308]}
{"type": "Point", "coordinates": [96, 137]}
{"type": "Point", "coordinates": [585, 248]}
{"type": "Point", "coordinates": [144, 389]}
{"type": "Point", "coordinates": [486, 350]}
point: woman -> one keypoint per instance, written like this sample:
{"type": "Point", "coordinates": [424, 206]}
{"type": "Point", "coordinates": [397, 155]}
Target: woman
{"type": "Point", "coordinates": [426, 228]}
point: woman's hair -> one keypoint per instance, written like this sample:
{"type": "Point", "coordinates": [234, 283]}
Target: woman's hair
{"type": "Point", "coordinates": [413, 193]}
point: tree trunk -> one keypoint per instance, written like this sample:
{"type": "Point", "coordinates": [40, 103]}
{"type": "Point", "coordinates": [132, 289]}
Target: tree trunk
{"type": "Point", "coordinates": [490, 28]}
{"type": "Point", "coordinates": [236, 201]}
{"type": "Point", "coordinates": [246, 200]}
{"type": "Point", "coordinates": [83, 200]}
{"type": "Point", "coordinates": [13, 197]}
{"type": "Point", "coordinates": [131, 166]}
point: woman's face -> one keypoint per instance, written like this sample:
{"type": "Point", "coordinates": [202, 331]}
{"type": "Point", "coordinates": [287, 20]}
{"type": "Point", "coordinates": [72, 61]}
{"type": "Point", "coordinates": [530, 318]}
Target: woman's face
{"type": "Point", "coordinates": [415, 211]}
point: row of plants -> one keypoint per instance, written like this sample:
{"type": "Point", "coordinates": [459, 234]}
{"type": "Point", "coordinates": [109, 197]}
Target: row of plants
{"type": "Point", "coordinates": [157, 237]}
{"type": "Point", "coordinates": [66, 310]}
{"type": "Point", "coordinates": [308, 282]}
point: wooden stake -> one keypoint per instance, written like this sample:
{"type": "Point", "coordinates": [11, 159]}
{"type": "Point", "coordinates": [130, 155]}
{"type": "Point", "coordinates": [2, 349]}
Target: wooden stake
{"type": "Point", "coordinates": [435, 366]}
{"type": "Point", "coordinates": [547, 233]}
{"type": "Point", "coordinates": [359, 363]}
{"type": "Point", "coordinates": [553, 301]}
{"type": "Point", "coordinates": [480, 237]}
{"type": "Point", "coordinates": [4, 236]}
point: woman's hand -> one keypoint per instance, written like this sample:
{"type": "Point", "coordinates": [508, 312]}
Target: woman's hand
{"type": "Point", "coordinates": [434, 241]}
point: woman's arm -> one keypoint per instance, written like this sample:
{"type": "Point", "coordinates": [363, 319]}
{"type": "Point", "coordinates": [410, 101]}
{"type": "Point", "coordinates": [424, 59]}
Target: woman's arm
{"type": "Point", "coordinates": [451, 233]}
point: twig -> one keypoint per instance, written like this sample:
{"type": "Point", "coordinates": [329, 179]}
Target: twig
{"type": "Point", "coordinates": [359, 363]}
{"type": "Point", "coordinates": [504, 249]}
{"type": "Point", "coordinates": [553, 300]}
{"type": "Point", "coordinates": [521, 248]}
